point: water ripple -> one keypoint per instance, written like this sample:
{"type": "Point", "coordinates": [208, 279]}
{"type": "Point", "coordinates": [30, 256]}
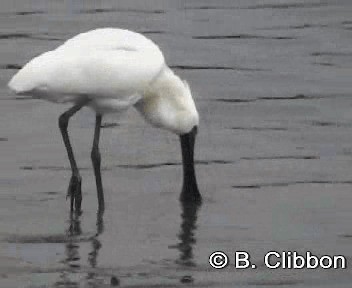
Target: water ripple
{"type": "Point", "coordinates": [25, 13]}
{"type": "Point", "coordinates": [10, 67]}
{"type": "Point", "coordinates": [283, 157]}
{"type": "Point", "coordinates": [109, 125]}
{"type": "Point", "coordinates": [245, 36]}
{"type": "Point", "coordinates": [127, 166]}
{"type": "Point", "coordinates": [286, 184]}
{"type": "Point", "coordinates": [260, 128]}
{"type": "Point", "coordinates": [58, 238]}
{"type": "Point", "coordinates": [112, 10]}
{"type": "Point", "coordinates": [19, 35]}
{"type": "Point", "coordinates": [195, 67]}
{"type": "Point", "coordinates": [295, 97]}
{"type": "Point", "coordinates": [288, 5]}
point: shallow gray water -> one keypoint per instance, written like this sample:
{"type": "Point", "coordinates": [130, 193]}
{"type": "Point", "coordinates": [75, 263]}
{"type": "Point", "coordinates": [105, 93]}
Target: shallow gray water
{"type": "Point", "coordinates": [272, 82]}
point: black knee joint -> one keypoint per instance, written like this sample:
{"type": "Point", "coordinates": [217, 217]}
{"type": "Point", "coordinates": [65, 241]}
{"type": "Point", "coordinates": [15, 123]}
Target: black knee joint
{"type": "Point", "coordinates": [95, 155]}
{"type": "Point", "coordinates": [63, 121]}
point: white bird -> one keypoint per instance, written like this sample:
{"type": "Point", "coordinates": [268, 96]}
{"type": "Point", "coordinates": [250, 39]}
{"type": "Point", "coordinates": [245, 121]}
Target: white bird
{"type": "Point", "coordinates": [110, 70]}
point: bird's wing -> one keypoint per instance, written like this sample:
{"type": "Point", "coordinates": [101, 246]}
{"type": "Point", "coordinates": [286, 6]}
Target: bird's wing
{"type": "Point", "coordinates": [109, 39]}
{"type": "Point", "coordinates": [112, 68]}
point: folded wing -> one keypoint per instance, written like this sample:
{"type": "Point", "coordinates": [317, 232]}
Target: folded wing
{"type": "Point", "coordinates": [103, 63]}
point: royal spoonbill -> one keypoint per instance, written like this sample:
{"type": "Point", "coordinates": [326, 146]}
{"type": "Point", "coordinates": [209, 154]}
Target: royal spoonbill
{"type": "Point", "coordinates": [110, 70]}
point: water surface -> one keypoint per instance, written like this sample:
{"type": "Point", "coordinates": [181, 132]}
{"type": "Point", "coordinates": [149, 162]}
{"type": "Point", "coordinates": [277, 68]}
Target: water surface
{"type": "Point", "coordinates": [272, 82]}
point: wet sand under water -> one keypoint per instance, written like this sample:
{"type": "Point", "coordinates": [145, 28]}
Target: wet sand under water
{"type": "Point", "coordinates": [274, 152]}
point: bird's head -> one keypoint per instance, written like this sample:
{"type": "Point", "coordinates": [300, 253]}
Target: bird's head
{"type": "Point", "coordinates": [169, 104]}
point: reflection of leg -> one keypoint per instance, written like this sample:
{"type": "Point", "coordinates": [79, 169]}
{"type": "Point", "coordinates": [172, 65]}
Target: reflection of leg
{"type": "Point", "coordinates": [100, 222]}
{"type": "Point", "coordinates": [72, 249]}
{"type": "Point", "coordinates": [74, 228]}
{"type": "Point", "coordinates": [96, 159]}
{"type": "Point", "coordinates": [96, 244]}
{"type": "Point", "coordinates": [74, 188]}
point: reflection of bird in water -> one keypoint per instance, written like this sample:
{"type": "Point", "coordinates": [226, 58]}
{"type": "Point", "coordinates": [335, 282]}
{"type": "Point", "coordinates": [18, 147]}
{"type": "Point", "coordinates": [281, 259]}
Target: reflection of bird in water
{"type": "Point", "coordinates": [74, 228]}
{"type": "Point", "coordinates": [96, 246]}
{"type": "Point", "coordinates": [187, 237]}
{"type": "Point", "coordinates": [71, 252]}
{"type": "Point", "coordinates": [72, 247]}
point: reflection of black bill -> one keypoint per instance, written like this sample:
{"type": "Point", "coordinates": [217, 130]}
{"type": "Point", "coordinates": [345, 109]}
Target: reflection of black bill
{"type": "Point", "coordinates": [187, 233]}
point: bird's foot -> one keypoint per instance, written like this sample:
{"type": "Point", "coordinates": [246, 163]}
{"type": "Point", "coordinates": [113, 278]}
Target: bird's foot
{"type": "Point", "coordinates": [75, 193]}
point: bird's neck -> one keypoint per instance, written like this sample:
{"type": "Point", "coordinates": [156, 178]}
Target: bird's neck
{"type": "Point", "coordinates": [165, 84]}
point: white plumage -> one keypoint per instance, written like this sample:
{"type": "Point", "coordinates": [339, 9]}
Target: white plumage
{"type": "Point", "coordinates": [111, 70]}
{"type": "Point", "coordinates": [115, 68]}
{"type": "Point", "coordinates": [103, 63]}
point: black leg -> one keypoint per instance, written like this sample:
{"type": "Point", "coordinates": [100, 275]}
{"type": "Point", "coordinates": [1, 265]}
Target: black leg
{"type": "Point", "coordinates": [74, 188]}
{"type": "Point", "coordinates": [96, 159]}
